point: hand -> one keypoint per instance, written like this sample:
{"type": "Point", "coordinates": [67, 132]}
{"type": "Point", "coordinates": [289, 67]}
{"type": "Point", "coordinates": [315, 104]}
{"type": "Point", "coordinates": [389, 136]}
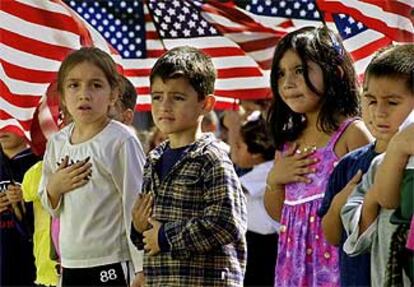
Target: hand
{"type": "Point", "coordinates": [4, 202]}
{"type": "Point", "coordinates": [68, 177]}
{"type": "Point", "coordinates": [151, 237]}
{"type": "Point", "coordinates": [142, 211]}
{"type": "Point", "coordinates": [403, 142]}
{"type": "Point", "coordinates": [139, 280]}
{"type": "Point", "coordinates": [14, 193]}
{"type": "Point", "coordinates": [291, 167]}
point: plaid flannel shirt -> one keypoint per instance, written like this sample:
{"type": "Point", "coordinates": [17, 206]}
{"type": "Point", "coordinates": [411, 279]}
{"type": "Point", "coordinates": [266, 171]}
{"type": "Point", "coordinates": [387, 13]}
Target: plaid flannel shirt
{"type": "Point", "coordinates": [203, 210]}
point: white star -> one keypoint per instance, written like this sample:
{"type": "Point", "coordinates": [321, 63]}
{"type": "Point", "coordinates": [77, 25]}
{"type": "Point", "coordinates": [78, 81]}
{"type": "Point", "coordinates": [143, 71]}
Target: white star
{"type": "Point", "coordinates": [268, 2]}
{"type": "Point", "coordinates": [296, 5]}
{"type": "Point", "coordinates": [302, 13]}
{"type": "Point", "coordinates": [351, 20]}
{"type": "Point", "coordinates": [342, 16]}
{"type": "Point", "coordinates": [194, 16]}
{"type": "Point", "coordinates": [176, 3]}
{"type": "Point", "coordinates": [348, 30]}
{"type": "Point", "coordinates": [311, 6]}
{"type": "Point", "coordinates": [213, 30]}
{"type": "Point", "coordinates": [288, 11]}
{"type": "Point", "coordinates": [167, 19]}
{"type": "Point", "coordinates": [177, 25]}
{"type": "Point", "coordinates": [161, 5]}
{"type": "Point", "coordinates": [171, 11]}
{"type": "Point", "coordinates": [191, 24]}
{"type": "Point", "coordinates": [360, 25]}
{"type": "Point", "coordinates": [186, 10]}
{"type": "Point", "coordinates": [158, 12]}
{"type": "Point", "coordinates": [203, 23]}
{"type": "Point", "coordinates": [181, 17]}
{"type": "Point", "coordinates": [164, 26]}
{"type": "Point", "coordinates": [273, 10]}
{"type": "Point", "coordinates": [260, 8]}
{"type": "Point", "coordinates": [282, 4]}
{"type": "Point", "coordinates": [173, 33]}
{"type": "Point", "coordinates": [186, 32]}
{"type": "Point", "coordinates": [200, 31]}
{"type": "Point", "coordinates": [316, 14]}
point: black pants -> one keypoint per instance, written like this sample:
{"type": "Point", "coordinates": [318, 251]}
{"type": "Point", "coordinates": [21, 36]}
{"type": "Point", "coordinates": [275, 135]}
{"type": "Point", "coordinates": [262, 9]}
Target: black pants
{"type": "Point", "coordinates": [105, 275]}
{"type": "Point", "coordinates": [261, 259]}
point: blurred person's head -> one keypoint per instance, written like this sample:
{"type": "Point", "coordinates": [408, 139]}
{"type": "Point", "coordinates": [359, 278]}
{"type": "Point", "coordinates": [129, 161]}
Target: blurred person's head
{"type": "Point", "coordinates": [210, 123]}
{"type": "Point", "coordinates": [254, 146]}
{"type": "Point", "coordinates": [124, 108]}
{"type": "Point", "coordinates": [11, 143]}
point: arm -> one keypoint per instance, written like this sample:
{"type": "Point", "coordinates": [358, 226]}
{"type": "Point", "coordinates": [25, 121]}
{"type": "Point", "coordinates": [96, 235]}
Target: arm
{"type": "Point", "coordinates": [331, 222]}
{"type": "Point", "coordinates": [387, 184]}
{"type": "Point", "coordinates": [127, 173]}
{"type": "Point", "coordinates": [224, 217]}
{"type": "Point", "coordinates": [273, 201]}
{"type": "Point", "coordinates": [353, 216]}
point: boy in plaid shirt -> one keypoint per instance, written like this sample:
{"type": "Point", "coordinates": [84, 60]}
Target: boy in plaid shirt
{"type": "Point", "coordinates": [191, 216]}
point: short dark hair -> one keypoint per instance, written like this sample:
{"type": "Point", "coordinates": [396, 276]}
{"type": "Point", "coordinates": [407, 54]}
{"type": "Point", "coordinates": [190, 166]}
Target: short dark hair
{"type": "Point", "coordinates": [340, 97]}
{"type": "Point", "coordinates": [255, 135]}
{"type": "Point", "coordinates": [129, 97]}
{"type": "Point", "coordinates": [190, 63]}
{"type": "Point", "coordinates": [393, 61]}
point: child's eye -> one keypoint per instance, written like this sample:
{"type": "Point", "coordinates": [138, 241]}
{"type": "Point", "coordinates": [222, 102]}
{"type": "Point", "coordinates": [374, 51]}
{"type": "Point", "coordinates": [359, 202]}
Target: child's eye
{"type": "Point", "coordinates": [179, 98]}
{"type": "Point", "coordinates": [72, 85]}
{"type": "Point", "coordinates": [393, 103]}
{"type": "Point", "coordinates": [155, 97]}
{"type": "Point", "coordinates": [299, 71]}
{"type": "Point", "coordinates": [371, 102]}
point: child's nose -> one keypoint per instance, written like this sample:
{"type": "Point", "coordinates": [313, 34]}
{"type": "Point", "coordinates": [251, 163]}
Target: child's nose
{"type": "Point", "coordinates": [84, 93]}
{"type": "Point", "coordinates": [289, 81]}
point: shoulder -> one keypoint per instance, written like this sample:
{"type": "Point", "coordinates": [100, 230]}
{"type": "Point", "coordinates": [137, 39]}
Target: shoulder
{"type": "Point", "coordinates": [356, 135]}
{"type": "Point", "coordinates": [213, 150]}
{"type": "Point", "coordinates": [62, 135]}
{"type": "Point", "coordinates": [119, 130]}
{"type": "Point", "coordinates": [117, 134]}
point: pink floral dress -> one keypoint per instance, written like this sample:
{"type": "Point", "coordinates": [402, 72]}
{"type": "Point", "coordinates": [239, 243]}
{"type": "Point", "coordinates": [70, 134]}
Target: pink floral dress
{"type": "Point", "coordinates": [305, 258]}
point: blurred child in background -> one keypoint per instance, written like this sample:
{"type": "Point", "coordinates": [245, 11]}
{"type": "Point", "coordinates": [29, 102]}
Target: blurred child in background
{"type": "Point", "coordinates": [17, 266]}
{"type": "Point", "coordinates": [255, 150]}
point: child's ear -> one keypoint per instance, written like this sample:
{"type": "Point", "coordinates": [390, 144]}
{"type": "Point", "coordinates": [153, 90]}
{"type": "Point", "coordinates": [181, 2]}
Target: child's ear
{"type": "Point", "coordinates": [209, 102]}
{"type": "Point", "coordinates": [114, 96]}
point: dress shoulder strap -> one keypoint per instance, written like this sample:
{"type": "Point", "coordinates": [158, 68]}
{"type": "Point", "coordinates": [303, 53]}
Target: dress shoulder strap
{"type": "Point", "coordinates": [344, 125]}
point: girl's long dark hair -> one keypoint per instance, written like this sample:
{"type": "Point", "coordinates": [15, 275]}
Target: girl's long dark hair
{"type": "Point", "coordinates": [340, 97]}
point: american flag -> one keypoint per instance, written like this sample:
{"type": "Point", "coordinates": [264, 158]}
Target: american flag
{"type": "Point", "coordinates": [358, 39]}
{"type": "Point", "coordinates": [239, 35]}
{"type": "Point", "coordinates": [393, 18]}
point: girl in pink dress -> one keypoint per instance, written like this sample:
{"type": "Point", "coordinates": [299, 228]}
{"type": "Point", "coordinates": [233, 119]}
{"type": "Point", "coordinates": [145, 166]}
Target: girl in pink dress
{"type": "Point", "coordinates": [315, 100]}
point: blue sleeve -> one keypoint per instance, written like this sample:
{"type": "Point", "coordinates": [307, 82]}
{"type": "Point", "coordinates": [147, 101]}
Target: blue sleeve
{"type": "Point", "coordinates": [337, 181]}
